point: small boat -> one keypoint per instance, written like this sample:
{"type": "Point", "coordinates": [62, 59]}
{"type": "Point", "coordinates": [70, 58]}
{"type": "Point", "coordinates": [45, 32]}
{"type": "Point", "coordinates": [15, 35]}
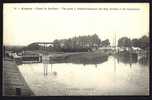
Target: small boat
{"type": "Point", "coordinates": [128, 54]}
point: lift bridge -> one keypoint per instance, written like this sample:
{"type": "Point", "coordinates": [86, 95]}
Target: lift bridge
{"type": "Point", "coordinates": [31, 56]}
{"type": "Point", "coordinates": [45, 57]}
{"type": "Point", "coordinates": [44, 44]}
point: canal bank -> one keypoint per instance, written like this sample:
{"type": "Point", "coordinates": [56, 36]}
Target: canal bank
{"type": "Point", "coordinates": [13, 81]}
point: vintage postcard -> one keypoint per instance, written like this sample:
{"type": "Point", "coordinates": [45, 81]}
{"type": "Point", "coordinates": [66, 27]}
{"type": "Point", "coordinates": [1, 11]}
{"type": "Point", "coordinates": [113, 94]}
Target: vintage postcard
{"type": "Point", "coordinates": [75, 49]}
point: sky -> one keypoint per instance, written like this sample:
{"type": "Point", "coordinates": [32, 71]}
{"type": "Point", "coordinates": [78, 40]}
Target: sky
{"type": "Point", "coordinates": [32, 24]}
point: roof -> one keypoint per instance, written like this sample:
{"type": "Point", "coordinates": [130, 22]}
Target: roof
{"type": "Point", "coordinates": [29, 53]}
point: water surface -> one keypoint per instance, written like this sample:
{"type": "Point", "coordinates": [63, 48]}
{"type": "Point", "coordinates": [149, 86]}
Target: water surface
{"type": "Point", "coordinates": [112, 77]}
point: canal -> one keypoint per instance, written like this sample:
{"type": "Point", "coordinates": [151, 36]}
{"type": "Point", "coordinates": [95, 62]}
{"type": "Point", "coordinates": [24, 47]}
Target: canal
{"type": "Point", "coordinates": [114, 76]}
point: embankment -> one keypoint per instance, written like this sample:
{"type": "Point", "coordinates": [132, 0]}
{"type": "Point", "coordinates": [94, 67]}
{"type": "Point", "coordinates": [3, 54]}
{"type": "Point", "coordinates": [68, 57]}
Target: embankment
{"type": "Point", "coordinates": [13, 82]}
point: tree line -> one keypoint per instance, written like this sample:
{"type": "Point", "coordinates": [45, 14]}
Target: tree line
{"type": "Point", "coordinates": [142, 42]}
{"type": "Point", "coordinates": [80, 43]}
{"type": "Point", "coordinates": [74, 44]}
{"type": "Point", "coordinates": [87, 43]}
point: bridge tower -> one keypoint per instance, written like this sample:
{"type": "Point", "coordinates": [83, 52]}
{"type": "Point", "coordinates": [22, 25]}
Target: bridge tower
{"type": "Point", "coordinates": [45, 56]}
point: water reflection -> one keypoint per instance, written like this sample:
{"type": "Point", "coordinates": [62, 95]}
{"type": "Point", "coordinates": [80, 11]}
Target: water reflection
{"type": "Point", "coordinates": [119, 58]}
{"type": "Point", "coordinates": [76, 60]}
{"type": "Point", "coordinates": [126, 59]}
{"type": "Point", "coordinates": [45, 69]}
{"type": "Point", "coordinates": [144, 60]}
{"type": "Point", "coordinates": [116, 61]}
{"type": "Point", "coordinates": [113, 76]}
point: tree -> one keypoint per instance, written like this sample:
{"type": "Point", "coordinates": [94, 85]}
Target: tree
{"type": "Point", "coordinates": [56, 43]}
{"type": "Point", "coordinates": [105, 43]}
{"type": "Point", "coordinates": [135, 42]}
{"type": "Point", "coordinates": [78, 43]}
{"type": "Point", "coordinates": [144, 42]}
{"type": "Point", "coordinates": [33, 46]}
{"type": "Point", "coordinates": [95, 40]}
{"type": "Point", "coordinates": [124, 42]}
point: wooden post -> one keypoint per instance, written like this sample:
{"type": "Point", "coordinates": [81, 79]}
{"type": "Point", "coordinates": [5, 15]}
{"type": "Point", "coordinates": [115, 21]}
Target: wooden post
{"type": "Point", "coordinates": [18, 91]}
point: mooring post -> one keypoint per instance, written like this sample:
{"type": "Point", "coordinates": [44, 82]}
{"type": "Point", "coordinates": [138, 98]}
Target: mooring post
{"type": "Point", "coordinates": [18, 91]}
{"type": "Point", "coordinates": [46, 69]}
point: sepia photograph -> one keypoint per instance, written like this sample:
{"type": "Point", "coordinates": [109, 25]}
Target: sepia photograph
{"type": "Point", "coordinates": [76, 49]}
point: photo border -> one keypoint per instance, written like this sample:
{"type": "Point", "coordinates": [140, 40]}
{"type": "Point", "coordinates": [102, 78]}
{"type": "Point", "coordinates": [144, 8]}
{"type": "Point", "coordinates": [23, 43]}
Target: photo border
{"type": "Point", "coordinates": [75, 97]}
